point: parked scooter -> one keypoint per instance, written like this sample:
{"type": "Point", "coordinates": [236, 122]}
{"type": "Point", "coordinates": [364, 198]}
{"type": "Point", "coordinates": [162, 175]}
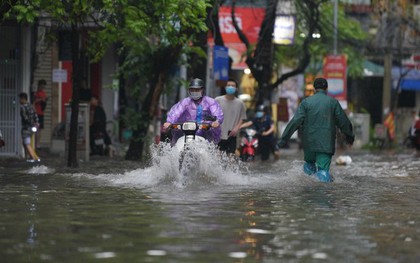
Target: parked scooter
{"type": "Point", "coordinates": [249, 144]}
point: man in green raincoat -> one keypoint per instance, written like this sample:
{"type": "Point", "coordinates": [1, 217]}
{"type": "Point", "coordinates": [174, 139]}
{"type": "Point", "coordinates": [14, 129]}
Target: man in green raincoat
{"type": "Point", "coordinates": [319, 115]}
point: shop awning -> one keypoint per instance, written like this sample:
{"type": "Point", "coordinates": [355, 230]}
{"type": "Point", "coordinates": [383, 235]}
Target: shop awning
{"type": "Point", "coordinates": [410, 79]}
{"type": "Point", "coordinates": [371, 69]}
{"type": "Point", "coordinates": [410, 84]}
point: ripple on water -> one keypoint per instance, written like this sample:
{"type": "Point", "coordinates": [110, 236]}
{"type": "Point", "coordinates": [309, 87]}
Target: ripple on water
{"type": "Point", "coordinates": [156, 253]}
{"type": "Point", "coordinates": [102, 255]}
{"type": "Point", "coordinates": [237, 254]}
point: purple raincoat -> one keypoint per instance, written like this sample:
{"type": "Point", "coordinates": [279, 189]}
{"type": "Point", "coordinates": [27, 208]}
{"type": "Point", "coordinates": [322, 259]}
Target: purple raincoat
{"type": "Point", "coordinates": [186, 110]}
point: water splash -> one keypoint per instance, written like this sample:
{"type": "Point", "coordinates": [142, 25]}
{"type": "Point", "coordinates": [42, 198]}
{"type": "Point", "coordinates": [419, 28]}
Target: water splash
{"type": "Point", "coordinates": [203, 165]}
{"type": "Point", "coordinates": [41, 169]}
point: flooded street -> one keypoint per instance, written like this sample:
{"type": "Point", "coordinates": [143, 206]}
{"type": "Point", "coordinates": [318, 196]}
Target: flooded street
{"type": "Point", "coordinates": [259, 212]}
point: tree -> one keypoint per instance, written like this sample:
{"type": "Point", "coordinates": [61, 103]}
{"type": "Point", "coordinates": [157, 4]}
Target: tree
{"type": "Point", "coordinates": [150, 36]}
{"type": "Point", "coordinates": [76, 16]}
{"type": "Point", "coordinates": [312, 17]}
{"type": "Point", "coordinates": [5, 7]}
{"type": "Point", "coordinates": [397, 39]}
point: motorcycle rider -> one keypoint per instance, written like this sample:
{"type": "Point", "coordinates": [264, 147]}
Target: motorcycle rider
{"type": "Point", "coordinates": [197, 107]}
{"type": "Point", "coordinates": [265, 128]}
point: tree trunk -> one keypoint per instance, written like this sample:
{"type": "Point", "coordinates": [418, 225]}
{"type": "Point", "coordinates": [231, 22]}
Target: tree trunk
{"type": "Point", "coordinates": [77, 74]}
{"type": "Point", "coordinates": [386, 91]}
{"type": "Point", "coordinates": [151, 101]}
{"type": "Point", "coordinates": [148, 110]}
{"type": "Point", "coordinates": [260, 62]}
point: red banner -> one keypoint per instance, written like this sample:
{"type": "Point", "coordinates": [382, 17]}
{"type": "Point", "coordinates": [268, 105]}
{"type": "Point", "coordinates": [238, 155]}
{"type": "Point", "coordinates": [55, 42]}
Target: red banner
{"type": "Point", "coordinates": [249, 21]}
{"type": "Point", "coordinates": [335, 71]}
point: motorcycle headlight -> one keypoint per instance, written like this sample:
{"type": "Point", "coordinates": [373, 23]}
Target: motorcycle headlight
{"type": "Point", "coordinates": [34, 129]}
{"type": "Point", "coordinates": [251, 132]}
{"type": "Point", "coordinates": [189, 126]}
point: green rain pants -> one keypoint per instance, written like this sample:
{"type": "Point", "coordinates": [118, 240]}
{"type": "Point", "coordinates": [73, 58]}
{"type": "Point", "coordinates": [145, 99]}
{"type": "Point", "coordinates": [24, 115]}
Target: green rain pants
{"type": "Point", "coordinates": [321, 160]}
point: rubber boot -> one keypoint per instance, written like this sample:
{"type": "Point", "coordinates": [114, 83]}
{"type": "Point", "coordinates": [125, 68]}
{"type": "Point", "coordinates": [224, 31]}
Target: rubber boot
{"type": "Point", "coordinates": [309, 168]}
{"type": "Point", "coordinates": [324, 176]}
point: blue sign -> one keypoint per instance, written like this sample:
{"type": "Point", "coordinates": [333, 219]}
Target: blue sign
{"type": "Point", "coordinates": [220, 63]}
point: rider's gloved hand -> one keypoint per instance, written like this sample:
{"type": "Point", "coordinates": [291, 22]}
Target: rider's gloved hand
{"type": "Point", "coordinates": [166, 125]}
{"type": "Point", "coordinates": [215, 124]}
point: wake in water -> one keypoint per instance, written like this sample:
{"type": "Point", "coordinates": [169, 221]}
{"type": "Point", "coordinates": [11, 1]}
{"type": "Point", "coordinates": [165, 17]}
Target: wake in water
{"type": "Point", "coordinates": [203, 165]}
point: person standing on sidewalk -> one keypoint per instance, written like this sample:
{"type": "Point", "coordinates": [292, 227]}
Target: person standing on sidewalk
{"type": "Point", "coordinates": [30, 125]}
{"type": "Point", "coordinates": [40, 103]}
{"type": "Point", "coordinates": [319, 115]}
{"type": "Point", "coordinates": [1, 140]}
{"type": "Point", "coordinates": [234, 113]}
{"type": "Point", "coordinates": [417, 134]}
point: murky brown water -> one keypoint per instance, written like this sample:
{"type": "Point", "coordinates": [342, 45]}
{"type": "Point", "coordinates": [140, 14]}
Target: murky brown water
{"type": "Point", "coordinates": [261, 213]}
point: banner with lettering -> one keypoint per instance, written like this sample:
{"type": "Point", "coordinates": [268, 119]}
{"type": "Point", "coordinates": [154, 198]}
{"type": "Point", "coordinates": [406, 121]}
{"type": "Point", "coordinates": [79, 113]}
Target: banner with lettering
{"type": "Point", "coordinates": [249, 21]}
{"type": "Point", "coordinates": [335, 71]}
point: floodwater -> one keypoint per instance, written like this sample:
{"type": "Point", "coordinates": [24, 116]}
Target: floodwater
{"type": "Point", "coordinates": [218, 211]}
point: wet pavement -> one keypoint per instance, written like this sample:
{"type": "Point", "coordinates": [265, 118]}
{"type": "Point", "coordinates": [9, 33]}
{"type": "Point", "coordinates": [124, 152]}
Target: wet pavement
{"type": "Point", "coordinates": [119, 211]}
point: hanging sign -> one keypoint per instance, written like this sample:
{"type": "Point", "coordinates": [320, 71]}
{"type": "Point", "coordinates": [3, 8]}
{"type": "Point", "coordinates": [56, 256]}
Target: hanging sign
{"type": "Point", "coordinates": [220, 63]}
{"type": "Point", "coordinates": [249, 21]}
{"type": "Point", "coordinates": [284, 30]}
{"type": "Point", "coordinates": [335, 71]}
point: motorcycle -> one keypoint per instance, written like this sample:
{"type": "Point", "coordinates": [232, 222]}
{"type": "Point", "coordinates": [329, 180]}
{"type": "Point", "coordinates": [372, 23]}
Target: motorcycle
{"type": "Point", "coordinates": [249, 144]}
{"type": "Point", "coordinates": [189, 139]}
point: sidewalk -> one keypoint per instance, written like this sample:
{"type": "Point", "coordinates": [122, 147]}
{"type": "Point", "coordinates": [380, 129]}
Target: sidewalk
{"type": "Point", "coordinates": [96, 164]}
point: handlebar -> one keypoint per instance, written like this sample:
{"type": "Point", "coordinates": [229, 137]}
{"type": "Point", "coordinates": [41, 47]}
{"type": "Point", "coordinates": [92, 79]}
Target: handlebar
{"type": "Point", "coordinates": [200, 126]}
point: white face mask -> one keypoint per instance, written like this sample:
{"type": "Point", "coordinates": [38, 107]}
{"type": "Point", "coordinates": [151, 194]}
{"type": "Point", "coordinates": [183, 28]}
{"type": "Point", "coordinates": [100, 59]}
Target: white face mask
{"type": "Point", "coordinates": [196, 95]}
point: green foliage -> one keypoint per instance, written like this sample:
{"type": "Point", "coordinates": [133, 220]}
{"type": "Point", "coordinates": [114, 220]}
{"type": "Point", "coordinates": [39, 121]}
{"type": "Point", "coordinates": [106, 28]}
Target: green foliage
{"type": "Point", "coordinates": [134, 121]}
{"type": "Point", "coordinates": [351, 40]}
{"type": "Point", "coordinates": [141, 27]}
{"type": "Point", "coordinates": [145, 29]}
{"type": "Point", "coordinates": [150, 36]}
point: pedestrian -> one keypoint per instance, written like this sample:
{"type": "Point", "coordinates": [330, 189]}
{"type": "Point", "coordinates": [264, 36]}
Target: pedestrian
{"type": "Point", "coordinates": [99, 139]}
{"type": "Point", "coordinates": [411, 138]}
{"type": "Point", "coordinates": [40, 103]}
{"type": "Point", "coordinates": [264, 125]}
{"type": "Point", "coordinates": [2, 143]}
{"type": "Point", "coordinates": [234, 113]}
{"type": "Point", "coordinates": [417, 133]}
{"type": "Point", "coordinates": [30, 125]}
{"type": "Point", "coordinates": [319, 116]}
{"type": "Point", "coordinates": [198, 107]}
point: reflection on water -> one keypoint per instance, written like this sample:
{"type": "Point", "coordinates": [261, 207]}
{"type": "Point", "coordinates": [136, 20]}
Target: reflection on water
{"type": "Point", "coordinates": [223, 211]}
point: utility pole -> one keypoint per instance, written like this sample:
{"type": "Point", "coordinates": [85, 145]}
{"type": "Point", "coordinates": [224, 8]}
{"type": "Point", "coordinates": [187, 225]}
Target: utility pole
{"type": "Point", "coordinates": [386, 92]}
{"type": "Point", "coordinates": [335, 26]}
{"type": "Point", "coordinates": [389, 41]}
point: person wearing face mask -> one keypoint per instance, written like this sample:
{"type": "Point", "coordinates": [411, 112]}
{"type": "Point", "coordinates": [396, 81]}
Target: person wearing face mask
{"type": "Point", "coordinates": [234, 114]}
{"type": "Point", "coordinates": [197, 107]}
{"type": "Point", "coordinates": [265, 128]}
